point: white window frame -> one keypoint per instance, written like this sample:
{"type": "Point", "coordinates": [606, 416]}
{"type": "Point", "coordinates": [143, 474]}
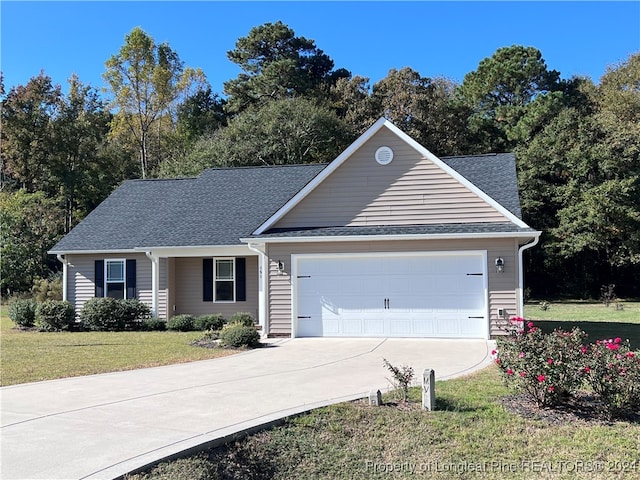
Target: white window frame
{"type": "Point", "coordinates": [107, 261]}
{"type": "Point", "coordinates": [232, 280]}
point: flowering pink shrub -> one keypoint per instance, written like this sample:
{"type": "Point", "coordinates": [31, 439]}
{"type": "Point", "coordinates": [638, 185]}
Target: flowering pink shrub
{"type": "Point", "coordinates": [613, 372]}
{"type": "Point", "coordinates": [548, 368]}
{"type": "Point", "coordinates": [547, 365]}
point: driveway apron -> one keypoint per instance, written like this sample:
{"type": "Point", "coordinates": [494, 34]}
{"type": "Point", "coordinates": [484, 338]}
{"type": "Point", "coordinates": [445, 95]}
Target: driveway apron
{"type": "Point", "coordinates": [103, 426]}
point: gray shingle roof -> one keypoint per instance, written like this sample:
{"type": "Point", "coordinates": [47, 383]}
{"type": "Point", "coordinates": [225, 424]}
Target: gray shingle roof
{"type": "Point", "coordinates": [494, 174]}
{"type": "Point", "coordinates": [438, 229]}
{"type": "Point", "coordinates": [216, 208]}
{"type": "Point", "coordinates": [223, 205]}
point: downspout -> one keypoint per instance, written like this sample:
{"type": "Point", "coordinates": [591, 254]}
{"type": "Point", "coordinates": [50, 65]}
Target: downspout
{"type": "Point", "coordinates": [64, 262]}
{"type": "Point", "coordinates": [154, 283]}
{"type": "Point", "coordinates": [262, 286]}
{"type": "Point", "coordinates": [524, 247]}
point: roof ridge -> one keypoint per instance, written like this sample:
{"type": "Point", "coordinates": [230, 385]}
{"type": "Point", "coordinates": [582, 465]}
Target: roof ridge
{"type": "Point", "coordinates": [249, 167]}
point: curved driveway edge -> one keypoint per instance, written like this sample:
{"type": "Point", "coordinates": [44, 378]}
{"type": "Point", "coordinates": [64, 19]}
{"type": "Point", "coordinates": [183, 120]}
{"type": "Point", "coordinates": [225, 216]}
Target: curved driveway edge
{"type": "Point", "coordinates": [104, 426]}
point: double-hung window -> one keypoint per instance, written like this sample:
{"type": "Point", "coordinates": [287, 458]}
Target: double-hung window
{"type": "Point", "coordinates": [225, 280]}
{"type": "Point", "coordinates": [115, 278]}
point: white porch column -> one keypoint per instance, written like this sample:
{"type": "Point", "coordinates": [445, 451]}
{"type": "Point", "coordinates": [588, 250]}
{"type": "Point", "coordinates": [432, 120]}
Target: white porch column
{"type": "Point", "coordinates": [155, 282]}
{"type": "Point", "coordinates": [262, 286]}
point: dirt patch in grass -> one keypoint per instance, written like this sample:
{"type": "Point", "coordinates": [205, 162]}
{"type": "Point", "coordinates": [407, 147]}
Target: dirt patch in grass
{"type": "Point", "coordinates": [582, 408]}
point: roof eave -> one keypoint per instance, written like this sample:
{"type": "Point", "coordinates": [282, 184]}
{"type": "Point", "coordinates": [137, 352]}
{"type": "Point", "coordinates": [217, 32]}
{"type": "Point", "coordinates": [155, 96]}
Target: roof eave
{"type": "Point", "coordinates": [360, 238]}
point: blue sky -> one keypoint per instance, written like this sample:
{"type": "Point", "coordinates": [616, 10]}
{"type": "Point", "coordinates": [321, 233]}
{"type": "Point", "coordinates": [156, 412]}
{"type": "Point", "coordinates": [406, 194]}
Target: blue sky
{"type": "Point", "coordinates": [368, 38]}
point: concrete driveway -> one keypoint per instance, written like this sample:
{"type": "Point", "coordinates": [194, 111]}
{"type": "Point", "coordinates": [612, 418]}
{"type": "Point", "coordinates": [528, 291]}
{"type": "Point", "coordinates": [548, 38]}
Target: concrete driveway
{"type": "Point", "coordinates": [103, 426]}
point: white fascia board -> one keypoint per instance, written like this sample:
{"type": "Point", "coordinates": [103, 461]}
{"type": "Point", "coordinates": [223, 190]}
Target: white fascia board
{"type": "Point", "coordinates": [372, 238]}
{"type": "Point", "coordinates": [200, 251]}
{"type": "Point", "coordinates": [420, 149]}
{"type": "Point", "coordinates": [339, 160]}
{"type": "Point", "coordinates": [91, 252]}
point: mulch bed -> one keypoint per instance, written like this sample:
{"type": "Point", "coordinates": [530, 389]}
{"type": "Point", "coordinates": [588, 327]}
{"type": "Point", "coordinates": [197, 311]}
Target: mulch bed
{"type": "Point", "coordinates": [582, 407]}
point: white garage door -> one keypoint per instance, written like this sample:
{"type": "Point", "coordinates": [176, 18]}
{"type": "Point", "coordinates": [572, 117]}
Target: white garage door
{"type": "Point", "coordinates": [386, 295]}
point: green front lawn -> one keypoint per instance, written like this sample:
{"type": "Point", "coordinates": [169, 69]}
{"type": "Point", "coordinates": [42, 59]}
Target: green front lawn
{"type": "Point", "coordinates": [471, 435]}
{"type": "Point", "coordinates": [30, 356]}
{"type": "Point", "coordinates": [598, 321]}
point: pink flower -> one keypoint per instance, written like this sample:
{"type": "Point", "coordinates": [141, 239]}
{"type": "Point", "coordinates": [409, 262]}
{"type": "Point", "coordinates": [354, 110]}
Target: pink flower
{"type": "Point", "coordinates": [584, 349]}
{"type": "Point", "coordinates": [530, 325]}
{"type": "Point", "coordinates": [617, 340]}
{"type": "Point", "coordinates": [586, 369]}
{"type": "Point", "coordinates": [523, 374]}
{"type": "Point", "coordinates": [509, 371]}
{"type": "Point", "coordinates": [541, 378]}
{"type": "Point", "coordinates": [613, 346]}
{"type": "Point", "coordinates": [493, 352]}
{"type": "Point", "coordinates": [630, 354]}
{"type": "Point", "coordinates": [521, 355]}
{"type": "Point", "coordinates": [497, 361]}
{"type": "Point", "coordinates": [550, 361]}
{"type": "Point", "coordinates": [551, 388]}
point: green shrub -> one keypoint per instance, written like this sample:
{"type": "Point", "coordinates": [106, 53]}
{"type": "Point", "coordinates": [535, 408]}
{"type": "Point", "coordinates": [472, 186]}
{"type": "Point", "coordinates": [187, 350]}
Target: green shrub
{"type": "Point", "coordinates": [23, 312]}
{"type": "Point", "coordinates": [182, 323]}
{"type": "Point", "coordinates": [243, 318]}
{"type": "Point", "coordinates": [210, 322]}
{"type": "Point", "coordinates": [236, 335]}
{"type": "Point", "coordinates": [134, 312]}
{"type": "Point", "coordinates": [402, 377]}
{"type": "Point", "coordinates": [153, 325]}
{"type": "Point", "coordinates": [546, 367]}
{"type": "Point", "coordinates": [613, 372]}
{"type": "Point", "coordinates": [44, 289]}
{"type": "Point", "coordinates": [55, 316]}
{"type": "Point", "coordinates": [103, 314]}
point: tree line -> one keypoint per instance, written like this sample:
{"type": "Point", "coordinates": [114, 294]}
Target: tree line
{"type": "Point", "coordinates": [577, 143]}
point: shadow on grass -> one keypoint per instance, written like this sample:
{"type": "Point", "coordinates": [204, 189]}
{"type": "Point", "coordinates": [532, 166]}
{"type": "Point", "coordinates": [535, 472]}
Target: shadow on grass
{"type": "Point", "coordinates": [452, 405]}
{"type": "Point", "coordinates": [597, 330]}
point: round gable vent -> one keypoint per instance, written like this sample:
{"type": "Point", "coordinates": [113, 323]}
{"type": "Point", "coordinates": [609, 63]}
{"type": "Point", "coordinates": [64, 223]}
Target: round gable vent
{"type": "Point", "coordinates": [384, 155]}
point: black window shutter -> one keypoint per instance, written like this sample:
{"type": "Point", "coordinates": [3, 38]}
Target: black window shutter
{"type": "Point", "coordinates": [241, 279]}
{"type": "Point", "coordinates": [99, 278]}
{"type": "Point", "coordinates": [131, 279]}
{"type": "Point", "coordinates": [207, 279]}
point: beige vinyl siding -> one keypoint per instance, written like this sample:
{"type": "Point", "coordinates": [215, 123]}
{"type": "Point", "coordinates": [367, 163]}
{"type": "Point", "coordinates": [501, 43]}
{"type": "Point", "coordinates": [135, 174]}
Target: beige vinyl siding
{"type": "Point", "coordinates": [410, 190]}
{"type": "Point", "coordinates": [502, 287]}
{"type": "Point", "coordinates": [187, 278]}
{"type": "Point", "coordinates": [81, 277]}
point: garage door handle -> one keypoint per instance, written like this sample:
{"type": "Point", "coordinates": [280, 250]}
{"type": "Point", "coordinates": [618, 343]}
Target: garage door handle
{"type": "Point", "coordinates": [386, 304]}
{"type": "Point", "coordinates": [474, 274]}
{"type": "Point", "coordinates": [299, 316]}
{"type": "Point", "coordinates": [475, 317]}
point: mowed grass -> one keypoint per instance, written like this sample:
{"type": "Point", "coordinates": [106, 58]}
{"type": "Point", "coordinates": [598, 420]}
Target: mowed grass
{"type": "Point", "coordinates": [598, 321]}
{"type": "Point", "coordinates": [470, 435]}
{"type": "Point", "coordinates": [584, 311]}
{"type": "Point", "coordinates": [30, 356]}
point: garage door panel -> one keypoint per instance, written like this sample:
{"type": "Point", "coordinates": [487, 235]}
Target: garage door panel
{"type": "Point", "coordinates": [428, 295]}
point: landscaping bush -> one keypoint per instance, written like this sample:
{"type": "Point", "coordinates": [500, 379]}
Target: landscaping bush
{"type": "Point", "coordinates": [44, 289]}
{"type": "Point", "coordinates": [153, 325]}
{"type": "Point", "coordinates": [55, 316]}
{"type": "Point", "coordinates": [134, 312]}
{"type": "Point", "coordinates": [236, 335]}
{"type": "Point", "coordinates": [547, 367]}
{"type": "Point", "coordinates": [210, 322]}
{"type": "Point", "coordinates": [242, 318]}
{"type": "Point", "coordinates": [182, 323]}
{"type": "Point", "coordinates": [103, 314]}
{"type": "Point", "coordinates": [23, 312]}
{"type": "Point", "coordinates": [613, 372]}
